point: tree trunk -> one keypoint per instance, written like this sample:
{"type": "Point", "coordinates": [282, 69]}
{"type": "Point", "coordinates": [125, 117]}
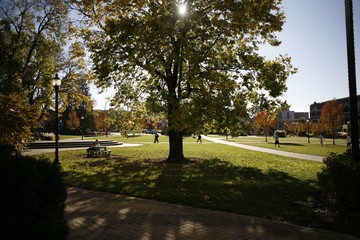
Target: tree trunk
{"type": "Point", "coordinates": [176, 153]}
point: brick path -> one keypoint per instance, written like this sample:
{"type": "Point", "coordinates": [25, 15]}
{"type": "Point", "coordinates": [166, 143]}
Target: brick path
{"type": "Point", "coordinates": [98, 215]}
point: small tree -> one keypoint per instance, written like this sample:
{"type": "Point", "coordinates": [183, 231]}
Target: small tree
{"type": "Point", "coordinates": [331, 116]}
{"type": "Point", "coordinates": [72, 122]}
{"type": "Point", "coordinates": [316, 128]}
{"type": "Point", "coordinates": [103, 122]}
{"type": "Point", "coordinates": [290, 127]}
{"type": "Point", "coordinates": [266, 120]}
{"type": "Point", "coordinates": [301, 127]}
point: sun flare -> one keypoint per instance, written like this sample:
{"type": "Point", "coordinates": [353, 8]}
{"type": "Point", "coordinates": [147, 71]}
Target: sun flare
{"type": "Point", "coordinates": [182, 9]}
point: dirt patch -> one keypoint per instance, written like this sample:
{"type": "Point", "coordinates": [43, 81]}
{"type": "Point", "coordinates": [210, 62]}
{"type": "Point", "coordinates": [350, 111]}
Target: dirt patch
{"type": "Point", "coordinates": [85, 156]}
{"type": "Point", "coordinates": [166, 161]}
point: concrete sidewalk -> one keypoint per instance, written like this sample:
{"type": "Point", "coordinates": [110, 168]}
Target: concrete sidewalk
{"type": "Point", "coordinates": [27, 152]}
{"type": "Point", "coordinates": [98, 215]}
{"type": "Point", "coordinates": [267, 150]}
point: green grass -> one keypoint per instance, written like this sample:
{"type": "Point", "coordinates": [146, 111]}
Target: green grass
{"type": "Point", "coordinates": [144, 138]}
{"type": "Point", "coordinates": [62, 137]}
{"type": "Point", "coordinates": [222, 178]}
{"type": "Point", "coordinates": [294, 144]}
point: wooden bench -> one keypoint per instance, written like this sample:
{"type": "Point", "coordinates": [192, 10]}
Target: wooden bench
{"type": "Point", "coordinates": [98, 152]}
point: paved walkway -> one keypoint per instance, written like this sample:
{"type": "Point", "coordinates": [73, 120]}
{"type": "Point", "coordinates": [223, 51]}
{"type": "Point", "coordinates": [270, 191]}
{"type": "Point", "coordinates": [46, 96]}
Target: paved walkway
{"type": "Point", "coordinates": [267, 150]}
{"type": "Point", "coordinates": [98, 215]}
{"type": "Point", "coordinates": [51, 150]}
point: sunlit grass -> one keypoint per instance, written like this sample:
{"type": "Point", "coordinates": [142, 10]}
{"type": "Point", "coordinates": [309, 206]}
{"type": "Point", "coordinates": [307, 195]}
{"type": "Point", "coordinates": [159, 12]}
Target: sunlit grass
{"type": "Point", "coordinates": [141, 138]}
{"type": "Point", "coordinates": [293, 144]}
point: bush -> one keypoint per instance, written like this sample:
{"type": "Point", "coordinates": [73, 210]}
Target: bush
{"type": "Point", "coordinates": [33, 199]}
{"type": "Point", "coordinates": [6, 150]}
{"type": "Point", "coordinates": [339, 182]}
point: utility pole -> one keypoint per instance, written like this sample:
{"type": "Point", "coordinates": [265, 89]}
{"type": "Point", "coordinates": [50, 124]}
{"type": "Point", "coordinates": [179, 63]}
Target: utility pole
{"type": "Point", "coordinates": [352, 80]}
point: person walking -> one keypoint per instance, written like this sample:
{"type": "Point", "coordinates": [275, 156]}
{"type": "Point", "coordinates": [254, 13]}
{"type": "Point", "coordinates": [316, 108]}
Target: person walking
{"type": "Point", "coordinates": [321, 137]}
{"type": "Point", "coordinates": [199, 138]}
{"type": "Point", "coordinates": [277, 140]}
{"type": "Point", "coordinates": [348, 141]}
{"type": "Point", "coordinates": [156, 138]}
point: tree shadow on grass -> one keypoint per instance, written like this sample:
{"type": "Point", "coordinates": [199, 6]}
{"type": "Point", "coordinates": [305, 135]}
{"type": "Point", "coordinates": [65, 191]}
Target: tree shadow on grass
{"type": "Point", "coordinates": [212, 184]}
{"type": "Point", "coordinates": [133, 136]}
{"type": "Point", "coordinates": [292, 144]}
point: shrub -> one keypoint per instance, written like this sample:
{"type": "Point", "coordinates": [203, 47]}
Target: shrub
{"type": "Point", "coordinates": [6, 150]}
{"type": "Point", "coordinates": [33, 199]}
{"type": "Point", "coordinates": [339, 182]}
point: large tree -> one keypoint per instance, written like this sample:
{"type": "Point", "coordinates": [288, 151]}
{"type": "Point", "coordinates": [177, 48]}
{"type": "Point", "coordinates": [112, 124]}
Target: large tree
{"type": "Point", "coordinates": [195, 60]}
{"type": "Point", "coordinates": [32, 33]}
{"type": "Point", "coordinates": [75, 90]}
{"type": "Point", "coordinates": [33, 36]}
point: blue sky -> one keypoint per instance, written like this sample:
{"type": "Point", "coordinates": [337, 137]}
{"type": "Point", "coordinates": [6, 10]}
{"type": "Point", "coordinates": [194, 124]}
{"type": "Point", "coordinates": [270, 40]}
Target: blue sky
{"type": "Point", "coordinates": [314, 36]}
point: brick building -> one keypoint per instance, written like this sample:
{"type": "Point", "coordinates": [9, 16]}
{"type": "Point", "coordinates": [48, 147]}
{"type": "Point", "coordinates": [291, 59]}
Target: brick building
{"type": "Point", "coordinates": [315, 109]}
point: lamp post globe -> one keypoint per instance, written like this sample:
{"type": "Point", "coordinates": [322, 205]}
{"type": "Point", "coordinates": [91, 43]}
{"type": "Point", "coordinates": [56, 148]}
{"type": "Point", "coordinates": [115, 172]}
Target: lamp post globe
{"type": "Point", "coordinates": [56, 82]}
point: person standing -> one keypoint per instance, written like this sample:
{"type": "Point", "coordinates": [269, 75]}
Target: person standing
{"type": "Point", "coordinates": [277, 140]}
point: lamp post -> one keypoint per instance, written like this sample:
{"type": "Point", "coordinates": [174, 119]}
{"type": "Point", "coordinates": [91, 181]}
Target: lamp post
{"type": "Point", "coordinates": [308, 134]}
{"type": "Point", "coordinates": [105, 116]}
{"type": "Point", "coordinates": [350, 43]}
{"type": "Point", "coordinates": [82, 129]}
{"type": "Point", "coordinates": [56, 83]}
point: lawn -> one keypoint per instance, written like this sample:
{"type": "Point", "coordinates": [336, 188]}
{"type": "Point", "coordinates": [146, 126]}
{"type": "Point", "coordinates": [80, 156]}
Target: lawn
{"type": "Point", "coordinates": [140, 138]}
{"type": "Point", "coordinates": [220, 177]}
{"type": "Point", "coordinates": [293, 144]}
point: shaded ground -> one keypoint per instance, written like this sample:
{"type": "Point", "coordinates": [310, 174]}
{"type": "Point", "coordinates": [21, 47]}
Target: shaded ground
{"type": "Point", "coordinates": [98, 215]}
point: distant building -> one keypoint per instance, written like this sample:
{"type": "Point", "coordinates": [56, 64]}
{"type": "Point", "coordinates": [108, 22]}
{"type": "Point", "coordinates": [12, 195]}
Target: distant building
{"type": "Point", "coordinates": [290, 116]}
{"type": "Point", "coordinates": [315, 109]}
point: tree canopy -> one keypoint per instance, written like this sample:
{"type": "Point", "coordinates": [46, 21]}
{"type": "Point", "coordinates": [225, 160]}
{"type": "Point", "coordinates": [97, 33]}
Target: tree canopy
{"type": "Point", "coordinates": [33, 38]}
{"type": "Point", "coordinates": [331, 116]}
{"type": "Point", "coordinates": [266, 121]}
{"type": "Point", "coordinates": [32, 33]}
{"type": "Point", "coordinates": [199, 66]}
